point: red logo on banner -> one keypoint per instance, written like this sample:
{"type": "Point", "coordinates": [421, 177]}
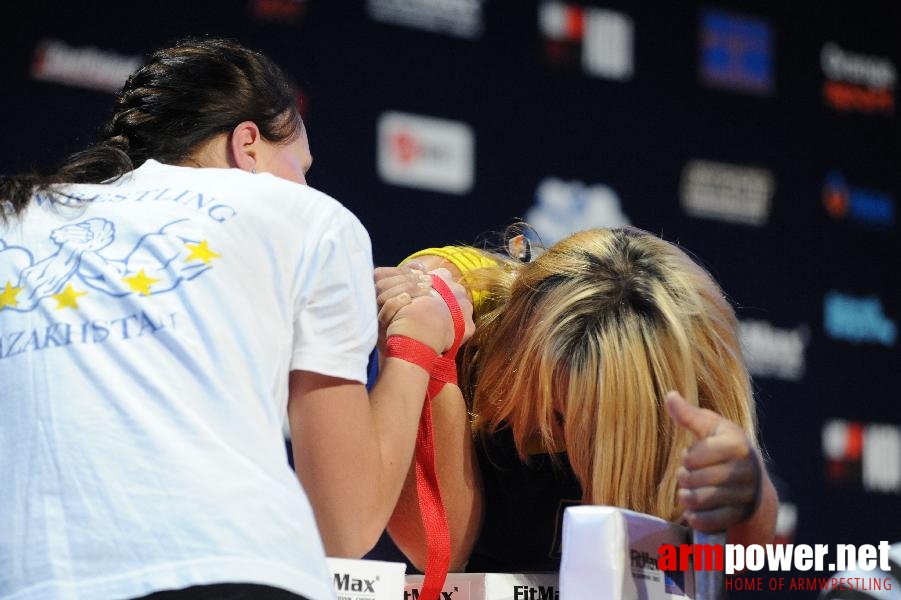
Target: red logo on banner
{"type": "Point", "coordinates": [858, 82]}
{"type": "Point", "coordinates": [835, 199]}
{"type": "Point", "coordinates": [405, 147]}
{"type": "Point", "coordinates": [284, 11]}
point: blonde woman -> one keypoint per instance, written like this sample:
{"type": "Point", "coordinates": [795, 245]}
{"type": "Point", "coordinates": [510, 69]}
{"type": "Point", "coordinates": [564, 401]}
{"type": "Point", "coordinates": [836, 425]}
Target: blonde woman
{"type": "Point", "coordinates": [606, 371]}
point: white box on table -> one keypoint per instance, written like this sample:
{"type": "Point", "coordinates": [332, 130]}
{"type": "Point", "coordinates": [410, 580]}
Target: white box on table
{"type": "Point", "coordinates": [611, 554]}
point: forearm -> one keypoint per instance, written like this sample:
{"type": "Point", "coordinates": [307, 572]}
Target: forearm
{"type": "Point", "coordinates": [396, 406]}
{"type": "Point", "coordinates": [458, 479]}
{"type": "Point", "coordinates": [352, 452]}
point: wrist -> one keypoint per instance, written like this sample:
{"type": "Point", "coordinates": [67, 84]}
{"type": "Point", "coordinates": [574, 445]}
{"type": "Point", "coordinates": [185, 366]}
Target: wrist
{"type": "Point", "coordinates": [404, 328]}
{"type": "Point", "coordinates": [412, 351]}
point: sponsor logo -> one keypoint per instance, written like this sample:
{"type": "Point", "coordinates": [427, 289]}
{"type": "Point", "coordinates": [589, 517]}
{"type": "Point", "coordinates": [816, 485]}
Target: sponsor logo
{"type": "Point", "coordinates": [345, 583]}
{"type": "Point", "coordinates": [774, 352]}
{"type": "Point", "coordinates": [863, 454]}
{"type": "Point", "coordinates": [564, 207]}
{"type": "Point", "coordinates": [461, 18]}
{"type": "Point", "coordinates": [86, 67]}
{"type": "Point", "coordinates": [859, 205]}
{"type": "Point", "coordinates": [645, 567]}
{"type": "Point", "coordinates": [857, 319]}
{"type": "Point", "coordinates": [425, 152]}
{"type": "Point", "coordinates": [736, 52]}
{"type": "Point", "coordinates": [725, 192]}
{"type": "Point", "coordinates": [541, 592]}
{"type": "Point", "coordinates": [642, 560]}
{"type": "Point", "coordinates": [600, 40]}
{"type": "Point", "coordinates": [857, 82]}
{"type": "Point", "coordinates": [280, 11]}
{"type": "Point", "coordinates": [446, 594]}
{"type": "Point", "coordinates": [563, 28]}
{"type": "Point", "coordinates": [607, 51]}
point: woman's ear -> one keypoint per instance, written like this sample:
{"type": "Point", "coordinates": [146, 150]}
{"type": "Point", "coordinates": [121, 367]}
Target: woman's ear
{"type": "Point", "coordinates": [244, 144]}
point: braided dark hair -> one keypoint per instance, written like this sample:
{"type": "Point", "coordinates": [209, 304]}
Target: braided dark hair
{"type": "Point", "coordinates": [182, 97]}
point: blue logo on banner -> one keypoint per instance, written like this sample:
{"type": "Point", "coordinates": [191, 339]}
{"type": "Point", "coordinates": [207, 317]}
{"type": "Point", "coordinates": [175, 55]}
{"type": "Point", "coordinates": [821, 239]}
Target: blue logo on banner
{"type": "Point", "coordinates": [736, 52]}
{"type": "Point", "coordinates": [867, 207]}
{"type": "Point", "coordinates": [857, 320]}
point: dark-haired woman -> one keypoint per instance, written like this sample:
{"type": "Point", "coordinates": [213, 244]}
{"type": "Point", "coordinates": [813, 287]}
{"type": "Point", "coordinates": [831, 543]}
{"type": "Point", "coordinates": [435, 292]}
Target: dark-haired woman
{"type": "Point", "coordinates": [166, 296]}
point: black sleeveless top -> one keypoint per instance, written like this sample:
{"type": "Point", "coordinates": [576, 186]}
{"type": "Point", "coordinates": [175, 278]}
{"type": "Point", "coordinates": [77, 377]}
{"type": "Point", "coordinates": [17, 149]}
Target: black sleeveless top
{"type": "Point", "coordinates": [524, 506]}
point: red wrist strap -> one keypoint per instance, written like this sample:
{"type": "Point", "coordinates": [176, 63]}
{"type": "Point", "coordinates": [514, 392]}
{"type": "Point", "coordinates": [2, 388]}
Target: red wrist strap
{"type": "Point", "coordinates": [412, 351]}
{"type": "Point", "coordinates": [431, 507]}
{"type": "Point", "coordinates": [456, 314]}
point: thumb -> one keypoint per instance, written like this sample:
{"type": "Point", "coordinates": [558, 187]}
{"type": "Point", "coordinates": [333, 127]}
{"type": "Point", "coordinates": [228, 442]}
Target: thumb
{"type": "Point", "coordinates": [700, 421]}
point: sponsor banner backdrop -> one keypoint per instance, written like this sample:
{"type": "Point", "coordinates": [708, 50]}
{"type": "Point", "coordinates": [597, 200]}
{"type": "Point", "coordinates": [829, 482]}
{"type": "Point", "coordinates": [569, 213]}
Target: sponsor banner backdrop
{"type": "Point", "coordinates": [763, 137]}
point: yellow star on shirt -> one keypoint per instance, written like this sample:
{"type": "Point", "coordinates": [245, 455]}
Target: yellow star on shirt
{"type": "Point", "coordinates": [8, 296]}
{"type": "Point", "coordinates": [202, 252]}
{"type": "Point", "coordinates": [140, 283]}
{"type": "Point", "coordinates": [68, 298]}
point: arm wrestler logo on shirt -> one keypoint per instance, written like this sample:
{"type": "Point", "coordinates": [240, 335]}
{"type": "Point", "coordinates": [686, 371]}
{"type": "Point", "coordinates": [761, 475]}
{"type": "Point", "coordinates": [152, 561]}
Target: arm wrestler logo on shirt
{"type": "Point", "coordinates": [86, 260]}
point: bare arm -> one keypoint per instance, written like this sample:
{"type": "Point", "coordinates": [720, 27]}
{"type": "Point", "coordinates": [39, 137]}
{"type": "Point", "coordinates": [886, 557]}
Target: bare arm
{"type": "Point", "coordinates": [351, 452]}
{"type": "Point", "coordinates": [460, 482]}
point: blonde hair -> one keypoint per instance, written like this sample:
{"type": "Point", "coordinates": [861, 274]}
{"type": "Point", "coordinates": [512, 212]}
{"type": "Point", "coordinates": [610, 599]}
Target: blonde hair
{"type": "Point", "coordinates": [597, 329]}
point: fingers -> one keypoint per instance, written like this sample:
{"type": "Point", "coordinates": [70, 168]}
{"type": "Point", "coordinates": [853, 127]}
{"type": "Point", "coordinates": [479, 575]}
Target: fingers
{"type": "Point", "coordinates": [382, 272]}
{"type": "Point", "coordinates": [715, 520]}
{"type": "Point", "coordinates": [728, 444]}
{"type": "Point", "coordinates": [718, 439]}
{"type": "Point", "coordinates": [715, 498]}
{"type": "Point", "coordinates": [409, 306]}
{"type": "Point", "coordinates": [700, 421]}
{"type": "Point", "coordinates": [412, 286]}
{"type": "Point", "coordinates": [395, 288]}
{"type": "Point", "coordinates": [389, 309]}
{"type": "Point", "coordinates": [712, 486]}
{"type": "Point", "coordinates": [394, 281]}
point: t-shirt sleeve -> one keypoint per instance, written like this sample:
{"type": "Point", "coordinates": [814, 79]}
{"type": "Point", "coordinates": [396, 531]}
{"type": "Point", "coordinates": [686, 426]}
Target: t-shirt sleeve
{"type": "Point", "coordinates": [335, 325]}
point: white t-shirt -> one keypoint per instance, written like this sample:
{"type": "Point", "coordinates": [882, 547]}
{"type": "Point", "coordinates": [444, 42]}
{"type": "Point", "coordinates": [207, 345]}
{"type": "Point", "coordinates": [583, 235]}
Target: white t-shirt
{"type": "Point", "coordinates": [146, 335]}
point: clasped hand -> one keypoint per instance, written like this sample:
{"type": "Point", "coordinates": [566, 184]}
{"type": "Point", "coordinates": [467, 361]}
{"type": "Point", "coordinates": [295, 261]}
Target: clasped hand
{"type": "Point", "coordinates": [409, 306]}
{"type": "Point", "coordinates": [719, 480]}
